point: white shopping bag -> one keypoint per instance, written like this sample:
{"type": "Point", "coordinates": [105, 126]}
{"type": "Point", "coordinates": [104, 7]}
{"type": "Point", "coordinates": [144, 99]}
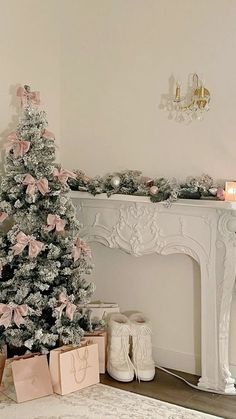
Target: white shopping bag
{"type": "Point", "coordinates": [100, 310]}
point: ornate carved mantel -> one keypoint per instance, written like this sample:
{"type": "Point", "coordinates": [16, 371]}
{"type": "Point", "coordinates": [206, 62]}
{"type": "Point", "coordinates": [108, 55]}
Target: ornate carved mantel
{"type": "Point", "coordinates": [204, 230]}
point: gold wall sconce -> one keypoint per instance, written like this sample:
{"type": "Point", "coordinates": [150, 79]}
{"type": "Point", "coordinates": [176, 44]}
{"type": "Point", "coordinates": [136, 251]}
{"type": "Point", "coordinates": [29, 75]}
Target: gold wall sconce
{"type": "Point", "coordinates": [192, 105]}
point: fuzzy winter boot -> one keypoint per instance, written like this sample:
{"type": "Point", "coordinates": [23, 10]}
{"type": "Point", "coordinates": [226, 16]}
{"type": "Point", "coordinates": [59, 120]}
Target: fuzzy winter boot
{"type": "Point", "coordinates": [142, 347]}
{"type": "Point", "coordinates": [119, 365]}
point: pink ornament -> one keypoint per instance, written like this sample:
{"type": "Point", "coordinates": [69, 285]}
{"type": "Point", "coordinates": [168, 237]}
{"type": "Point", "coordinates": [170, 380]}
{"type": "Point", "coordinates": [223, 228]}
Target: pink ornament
{"type": "Point", "coordinates": [220, 194]}
{"type": "Point", "coordinates": [148, 181]}
{"type": "Point", "coordinates": [153, 190]}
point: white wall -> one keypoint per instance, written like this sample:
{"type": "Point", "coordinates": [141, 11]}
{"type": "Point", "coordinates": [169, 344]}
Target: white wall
{"type": "Point", "coordinates": [118, 56]}
{"type": "Point", "coordinates": [29, 51]}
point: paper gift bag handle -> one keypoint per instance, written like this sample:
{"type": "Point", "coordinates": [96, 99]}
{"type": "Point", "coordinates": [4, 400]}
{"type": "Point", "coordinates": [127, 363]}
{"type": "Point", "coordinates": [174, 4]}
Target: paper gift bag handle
{"type": "Point", "coordinates": [26, 356]}
{"type": "Point", "coordinates": [84, 358]}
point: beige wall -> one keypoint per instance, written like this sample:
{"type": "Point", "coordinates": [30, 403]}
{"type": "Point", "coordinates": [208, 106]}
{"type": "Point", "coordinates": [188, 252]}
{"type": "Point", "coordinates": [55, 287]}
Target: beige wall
{"type": "Point", "coordinates": [118, 56]}
{"type": "Point", "coordinates": [101, 67]}
{"type": "Point", "coordinates": [29, 51]}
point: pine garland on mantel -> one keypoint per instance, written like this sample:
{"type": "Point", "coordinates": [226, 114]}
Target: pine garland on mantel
{"type": "Point", "coordinates": [132, 182]}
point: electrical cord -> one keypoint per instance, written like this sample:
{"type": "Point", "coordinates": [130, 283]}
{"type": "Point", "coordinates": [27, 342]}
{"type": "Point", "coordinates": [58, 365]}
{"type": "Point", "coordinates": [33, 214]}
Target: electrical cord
{"type": "Point", "coordinates": [192, 385]}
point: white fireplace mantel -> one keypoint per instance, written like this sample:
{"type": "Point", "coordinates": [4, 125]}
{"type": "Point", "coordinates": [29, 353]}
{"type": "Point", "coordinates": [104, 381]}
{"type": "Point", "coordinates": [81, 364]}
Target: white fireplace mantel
{"type": "Point", "coordinates": [204, 230]}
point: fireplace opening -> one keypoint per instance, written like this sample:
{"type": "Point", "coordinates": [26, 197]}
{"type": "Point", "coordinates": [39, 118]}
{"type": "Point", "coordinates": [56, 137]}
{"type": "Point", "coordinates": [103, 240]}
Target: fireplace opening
{"type": "Point", "coordinates": [167, 289]}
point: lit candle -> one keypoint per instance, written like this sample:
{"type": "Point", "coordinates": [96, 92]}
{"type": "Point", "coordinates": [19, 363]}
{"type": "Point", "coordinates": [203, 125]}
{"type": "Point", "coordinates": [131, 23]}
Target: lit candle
{"type": "Point", "coordinates": [177, 92]}
{"type": "Point", "coordinates": [230, 191]}
{"type": "Point", "coordinates": [202, 91]}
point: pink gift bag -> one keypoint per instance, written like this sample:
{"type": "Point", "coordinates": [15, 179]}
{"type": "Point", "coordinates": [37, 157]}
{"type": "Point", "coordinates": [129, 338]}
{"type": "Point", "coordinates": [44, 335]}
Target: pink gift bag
{"type": "Point", "coordinates": [2, 365]}
{"type": "Point", "coordinates": [100, 337]}
{"type": "Point", "coordinates": [73, 368]}
{"type": "Point", "coordinates": [26, 378]}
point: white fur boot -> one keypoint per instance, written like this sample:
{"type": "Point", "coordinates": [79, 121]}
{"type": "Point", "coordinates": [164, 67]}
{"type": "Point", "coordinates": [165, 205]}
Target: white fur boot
{"type": "Point", "coordinates": [119, 365]}
{"type": "Point", "coordinates": [142, 347]}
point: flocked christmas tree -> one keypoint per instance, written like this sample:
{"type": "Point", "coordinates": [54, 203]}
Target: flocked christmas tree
{"type": "Point", "coordinates": [43, 261]}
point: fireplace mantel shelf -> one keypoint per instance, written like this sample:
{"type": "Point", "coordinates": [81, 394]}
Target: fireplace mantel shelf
{"type": "Point", "coordinates": [202, 229]}
{"type": "Point", "coordinates": [206, 203]}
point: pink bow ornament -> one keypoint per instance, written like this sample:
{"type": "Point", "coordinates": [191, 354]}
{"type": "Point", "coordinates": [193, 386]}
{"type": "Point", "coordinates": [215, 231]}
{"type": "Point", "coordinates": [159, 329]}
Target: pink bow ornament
{"type": "Point", "coordinates": [33, 185]}
{"type": "Point", "coordinates": [23, 240]}
{"type": "Point", "coordinates": [54, 221]}
{"type": "Point", "coordinates": [12, 314]}
{"type": "Point", "coordinates": [66, 304]}
{"type": "Point", "coordinates": [19, 147]}
{"type": "Point", "coordinates": [63, 175]}
{"type": "Point", "coordinates": [27, 97]}
{"type": "Point", "coordinates": [48, 134]}
{"type": "Point", "coordinates": [3, 216]}
{"type": "Point", "coordinates": [80, 247]}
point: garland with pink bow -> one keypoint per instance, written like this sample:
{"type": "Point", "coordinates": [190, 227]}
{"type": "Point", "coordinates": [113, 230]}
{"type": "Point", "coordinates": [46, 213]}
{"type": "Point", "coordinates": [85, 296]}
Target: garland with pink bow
{"type": "Point", "coordinates": [63, 175]}
{"type": "Point", "coordinates": [67, 305]}
{"type": "Point", "coordinates": [80, 248]}
{"type": "Point", "coordinates": [13, 314]}
{"type": "Point", "coordinates": [22, 240]}
{"type": "Point", "coordinates": [33, 185]}
{"type": "Point", "coordinates": [19, 147]}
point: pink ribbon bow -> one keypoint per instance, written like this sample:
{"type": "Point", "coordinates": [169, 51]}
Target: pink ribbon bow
{"type": "Point", "coordinates": [33, 185]}
{"type": "Point", "coordinates": [23, 240]}
{"type": "Point", "coordinates": [12, 314]}
{"type": "Point", "coordinates": [80, 247]}
{"type": "Point", "coordinates": [48, 134]}
{"type": "Point", "coordinates": [3, 216]}
{"type": "Point", "coordinates": [66, 304]}
{"type": "Point", "coordinates": [63, 174]}
{"type": "Point", "coordinates": [54, 221]}
{"type": "Point", "coordinates": [19, 147]}
{"type": "Point", "coordinates": [27, 97]}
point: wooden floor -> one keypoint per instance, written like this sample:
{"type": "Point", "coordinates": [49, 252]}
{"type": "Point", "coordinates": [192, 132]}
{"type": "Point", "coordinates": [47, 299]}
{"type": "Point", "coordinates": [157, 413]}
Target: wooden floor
{"type": "Point", "coordinates": [170, 389]}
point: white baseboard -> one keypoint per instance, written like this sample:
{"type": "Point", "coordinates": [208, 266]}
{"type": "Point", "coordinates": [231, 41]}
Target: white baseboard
{"type": "Point", "coordinates": [177, 360]}
{"type": "Point", "coordinates": [181, 361]}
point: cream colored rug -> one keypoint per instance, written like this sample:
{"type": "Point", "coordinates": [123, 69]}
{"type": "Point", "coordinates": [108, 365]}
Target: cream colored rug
{"type": "Point", "coordinates": [96, 402]}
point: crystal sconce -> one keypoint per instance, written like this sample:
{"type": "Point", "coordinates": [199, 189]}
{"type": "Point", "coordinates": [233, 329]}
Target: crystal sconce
{"type": "Point", "coordinates": [189, 107]}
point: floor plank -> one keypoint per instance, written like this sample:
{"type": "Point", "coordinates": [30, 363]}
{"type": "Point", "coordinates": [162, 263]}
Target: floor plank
{"type": "Point", "coordinates": [170, 389]}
